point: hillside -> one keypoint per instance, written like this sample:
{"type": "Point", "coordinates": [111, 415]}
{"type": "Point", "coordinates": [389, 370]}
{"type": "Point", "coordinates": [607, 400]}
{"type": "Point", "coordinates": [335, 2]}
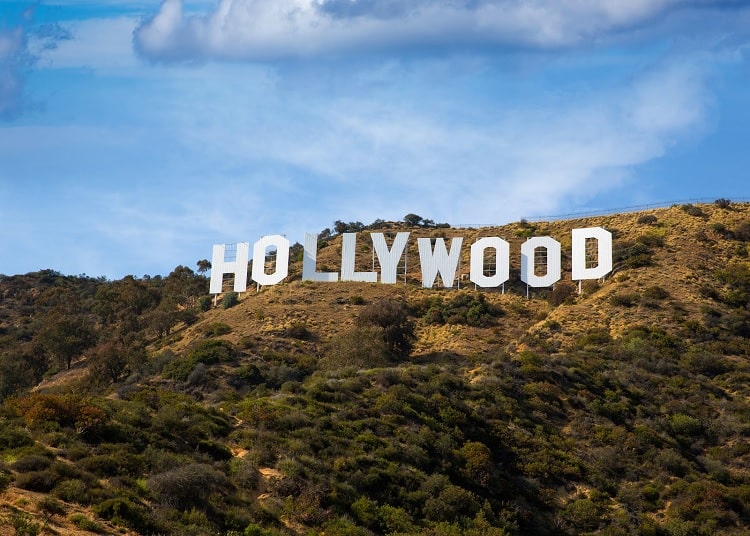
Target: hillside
{"type": "Point", "coordinates": [138, 407]}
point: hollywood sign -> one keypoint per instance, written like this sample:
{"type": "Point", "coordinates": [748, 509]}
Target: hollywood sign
{"type": "Point", "coordinates": [437, 260]}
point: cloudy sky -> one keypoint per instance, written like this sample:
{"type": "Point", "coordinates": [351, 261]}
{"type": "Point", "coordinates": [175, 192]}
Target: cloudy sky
{"type": "Point", "coordinates": [135, 134]}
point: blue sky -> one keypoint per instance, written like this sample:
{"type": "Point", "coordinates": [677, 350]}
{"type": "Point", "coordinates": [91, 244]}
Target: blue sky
{"type": "Point", "coordinates": [135, 134]}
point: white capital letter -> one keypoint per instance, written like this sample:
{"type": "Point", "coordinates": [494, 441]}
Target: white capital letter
{"type": "Point", "coordinates": [389, 259]}
{"type": "Point", "coordinates": [238, 267]}
{"type": "Point", "coordinates": [309, 259]}
{"type": "Point", "coordinates": [604, 253]}
{"type": "Point", "coordinates": [348, 254]}
{"type": "Point", "coordinates": [528, 264]}
{"type": "Point", "coordinates": [502, 263]}
{"type": "Point", "coordinates": [281, 270]}
{"type": "Point", "coordinates": [438, 261]}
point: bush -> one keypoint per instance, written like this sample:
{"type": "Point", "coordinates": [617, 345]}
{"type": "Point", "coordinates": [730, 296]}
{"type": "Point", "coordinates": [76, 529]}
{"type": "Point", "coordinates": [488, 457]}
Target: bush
{"type": "Point", "coordinates": [245, 376]}
{"type": "Point", "coordinates": [360, 347]}
{"type": "Point", "coordinates": [563, 292]}
{"type": "Point", "coordinates": [72, 490]}
{"type": "Point", "coordinates": [5, 479]}
{"type": "Point", "coordinates": [706, 363]}
{"type": "Point", "coordinates": [582, 514]}
{"type": "Point", "coordinates": [651, 240]}
{"type": "Point", "coordinates": [742, 232]}
{"type": "Point", "coordinates": [230, 299]}
{"type": "Point", "coordinates": [647, 219]}
{"type": "Point", "coordinates": [205, 303]}
{"type": "Point", "coordinates": [216, 329]}
{"type": "Point", "coordinates": [624, 299]}
{"type": "Point", "coordinates": [187, 486]}
{"type": "Point", "coordinates": [466, 308]}
{"type": "Point", "coordinates": [121, 511]}
{"type": "Point", "coordinates": [723, 203]}
{"type": "Point", "coordinates": [211, 352]}
{"type": "Point", "coordinates": [685, 426]}
{"type": "Point", "coordinates": [391, 316]}
{"type": "Point", "coordinates": [655, 293]}
{"type": "Point", "coordinates": [692, 210]}
{"type": "Point", "coordinates": [12, 437]}
{"type": "Point", "coordinates": [634, 255]}
{"type": "Point", "coordinates": [297, 330]}
{"type": "Point", "coordinates": [31, 462]}
{"type": "Point", "coordinates": [41, 481]}
{"type": "Point", "coordinates": [51, 507]}
{"type": "Point", "coordinates": [84, 523]}
{"type": "Point", "coordinates": [24, 524]}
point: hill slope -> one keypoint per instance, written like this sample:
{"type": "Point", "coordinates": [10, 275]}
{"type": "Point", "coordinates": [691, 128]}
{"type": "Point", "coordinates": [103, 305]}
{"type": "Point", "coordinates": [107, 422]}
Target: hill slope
{"type": "Point", "coordinates": [355, 408]}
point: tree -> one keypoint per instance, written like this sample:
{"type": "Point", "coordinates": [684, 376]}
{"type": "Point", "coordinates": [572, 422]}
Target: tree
{"type": "Point", "coordinates": [184, 286]}
{"type": "Point", "coordinates": [119, 299]}
{"type": "Point", "coordinates": [204, 265]}
{"type": "Point", "coordinates": [66, 336]}
{"type": "Point", "coordinates": [114, 361]}
{"type": "Point", "coordinates": [163, 318]}
{"type": "Point", "coordinates": [360, 347]}
{"type": "Point", "coordinates": [413, 220]}
{"type": "Point", "coordinates": [392, 317]}
{"type": "Point", "coordinates": [187, 486]}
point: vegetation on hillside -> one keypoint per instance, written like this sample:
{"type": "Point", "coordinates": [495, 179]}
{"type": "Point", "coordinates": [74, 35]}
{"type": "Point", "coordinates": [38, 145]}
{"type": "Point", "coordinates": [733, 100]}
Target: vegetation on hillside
{"type": "Point", "coordinates": [137, 406]}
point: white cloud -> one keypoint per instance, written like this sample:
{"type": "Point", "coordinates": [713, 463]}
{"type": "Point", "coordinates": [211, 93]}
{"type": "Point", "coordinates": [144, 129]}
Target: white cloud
{"type": "Point", "coordinates": [12, 63]}
{"type": "Point", "coordinates": [271, 29]}
{"type": "Point", "coordinates": [443, 154]}
{"type": "Point", "coordinates": [93, 43]}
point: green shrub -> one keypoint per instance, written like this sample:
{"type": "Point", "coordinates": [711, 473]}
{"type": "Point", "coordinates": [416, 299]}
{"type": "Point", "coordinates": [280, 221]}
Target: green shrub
{"type": "Point", "coordinates": [31, 462]}
{"type": "Point", "coordinates": [211, 352]}
{"type": "Point", "coordinates": [84, 523]}
{"type": "Point", "coordinates": [187, 486]}
{"type": "Point", "coordinates": [5, 479]}
{"type": "Point", "coordinates": [230, 299]}
{"type": "Point", "coordinates": [634, 254]}
{"type": "Point", "coordinates": [563, 292]}
{"type": "Point", "coordinates": [23, 524]}
{"type": "Point", "coordinates": [245, 376]}
{"type": "Point", "coordinates": [742, 232]}
{"type": "Point", "coordinates": [655, 293]}
{"type": "Point", "coordinates": [12, 437]}
{"type": "Point", "coordinates": [360, 347]}
{"type": "Point", "coordinates": [685, 425]}
{"type": "Point", "coordinates": [594, 337]}
{"type": "Point", "coordinates": [583, 514]}
{"type": "Point", "coordinates": [72, 490]}
{"type": "Point", "coordinates": [673, 462]}
{"type": "Point", "coordinates": [692, 210]}
{"type": "Point", "coordinates": [41, 481]}
{"type": "Point", "coordinates": [391, 316]}
{"type": "Point", "coordinates": [255, 530]}
{"type": "Point", "coordinates": [179, 369]}
{"type": "Point", "coordinates": [122, 511]}
{"type": "Point", "coordinates": [624, 299]}
{"type": "Point", "coordinates": [452, 502]}
{"type": "Point", "coordinates": [652, 240]}
{"type": "Point", "coordinates": [723, 203]}
{"type": "Point", "coordinates": [297, 330]}
{"type": "Point", "coordinates": [50, 507]}
{"type": "Point", "coordinates": [646, 219]}
{"type": "Point", "coordinates": [464, 308]}
{"type": "Point", "coordinates": [216, 329]}
{"type": "Point", "coordinates": [205, 303]}
{"type": "Point", "coordinates": [706, 363]}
